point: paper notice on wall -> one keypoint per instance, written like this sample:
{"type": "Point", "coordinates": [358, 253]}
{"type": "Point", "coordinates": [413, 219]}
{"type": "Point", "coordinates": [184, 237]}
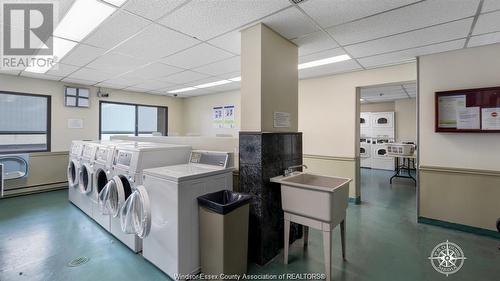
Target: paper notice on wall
{"type": "Point", "coordinates": [491, 118]}
{"type": "Point", "coordinates": [448, 107]}
{"type": "Point", "coordinates": [229, 116]}
{"type": "Point", "coordinates": [75, 124]}
{"type": "Point", "coordinates": [469, 118]}
{"type": "Point", "coordinates": [218, 117]}
{"type": "Point", "coordinates": [281, 120]}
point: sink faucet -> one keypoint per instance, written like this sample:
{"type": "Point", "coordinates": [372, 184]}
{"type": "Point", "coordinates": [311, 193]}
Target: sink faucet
{"type": "Point", "coordinates": [289, 171]}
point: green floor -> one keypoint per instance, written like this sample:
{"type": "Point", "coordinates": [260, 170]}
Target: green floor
{"type": "Point", "coordinates": [40, 234]}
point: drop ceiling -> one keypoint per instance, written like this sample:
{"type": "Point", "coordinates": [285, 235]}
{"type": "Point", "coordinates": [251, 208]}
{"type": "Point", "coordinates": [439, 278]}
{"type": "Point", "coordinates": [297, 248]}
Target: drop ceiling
{"type": "Point", "coordinates": [388, 93]}
{"type": "Point", "coordinates": [156, 46]}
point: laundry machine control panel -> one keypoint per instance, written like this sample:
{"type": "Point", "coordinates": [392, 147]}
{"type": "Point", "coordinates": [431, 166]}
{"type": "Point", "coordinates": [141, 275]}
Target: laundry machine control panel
{"type": "Point", "coordinates": [124, 158]}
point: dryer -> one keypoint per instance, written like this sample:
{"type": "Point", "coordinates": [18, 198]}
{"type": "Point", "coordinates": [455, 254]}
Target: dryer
{"type": "Point", "coordinates": [129, 162]}
{"type": "Point", "coordinates": [365, 124]}
{"type": "Point", "coordinates": [365, 152]}
{"type": "Point", "coordinates": [381, 160]}
{"type": "Point", "coordinates": [73, 170]}
{"type": "Point", "coordinates": [163, 211]}
{"type": "Point", "coordinates": [101, 174]}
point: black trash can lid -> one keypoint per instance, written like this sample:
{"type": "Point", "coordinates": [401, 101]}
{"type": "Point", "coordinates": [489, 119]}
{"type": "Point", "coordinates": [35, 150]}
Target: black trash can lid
{"type": "Point", "coordinates": [224, 201]}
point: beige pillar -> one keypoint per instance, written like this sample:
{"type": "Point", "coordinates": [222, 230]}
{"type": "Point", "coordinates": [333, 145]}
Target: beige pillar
{"type": "Point", "coordinates": [269, 84]}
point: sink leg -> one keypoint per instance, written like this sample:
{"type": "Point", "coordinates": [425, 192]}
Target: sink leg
{"type": "Point", "coordinates": [342, 237]}
{"type": "Point", "coordinates": [306, 235]}
{"type": "Point", "coordinates": [327, 241]}
{"type": "Point", "coordinates": [287, 240]}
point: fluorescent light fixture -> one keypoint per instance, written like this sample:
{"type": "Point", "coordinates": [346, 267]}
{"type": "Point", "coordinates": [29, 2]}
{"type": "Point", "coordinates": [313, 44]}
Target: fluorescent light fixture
{"type": "Point", "coordinates": [61, 49]}
{"type": "Point", "coordinates": [182, 90]}
{"type": "Point", "coordinates": [324, 61]}
{"type": "Point", "coordinates": [82, 18]}
{"type": "Point", "coordinates": [235, 79]}
{"type": "Point", "coordinates": [361, 99]}
{"type": "Point", "coordinates": [213, 84]}
{"type": "Point", "coordinates": [117, 3]}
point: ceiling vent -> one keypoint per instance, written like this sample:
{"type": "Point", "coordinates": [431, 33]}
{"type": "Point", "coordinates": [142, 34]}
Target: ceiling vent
{"type": "Point", "coordinates": [297, 1]}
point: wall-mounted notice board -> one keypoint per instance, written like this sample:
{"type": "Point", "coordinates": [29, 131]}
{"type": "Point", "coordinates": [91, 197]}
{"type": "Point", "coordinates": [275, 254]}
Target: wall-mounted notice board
{"type": "Point", "coordinates": [471, 110]}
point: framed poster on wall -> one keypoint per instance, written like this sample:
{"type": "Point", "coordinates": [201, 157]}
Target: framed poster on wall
{"type": "Point", "coordinates": [470, 110]}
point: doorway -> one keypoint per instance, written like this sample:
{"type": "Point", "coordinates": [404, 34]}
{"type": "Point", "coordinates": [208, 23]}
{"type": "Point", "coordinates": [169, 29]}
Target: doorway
{"type": "Point", "coordinates": [388, 143]}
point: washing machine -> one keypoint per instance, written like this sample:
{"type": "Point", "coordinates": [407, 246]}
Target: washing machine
{"type": "Point", "coordinates": [100, 174]}
{"type": "Point", "coordinates": [163, 211]}
{"type": "Point", "coordinates": [85, 176]}
{"type": "Point", "coordinates": [365, 152]}
{"type": "Point", "coordinates": [380, 159]}
{"type": "Point", "coordinates": [128, 163]}
{"type": "Point", "coordinates": [75, 154]}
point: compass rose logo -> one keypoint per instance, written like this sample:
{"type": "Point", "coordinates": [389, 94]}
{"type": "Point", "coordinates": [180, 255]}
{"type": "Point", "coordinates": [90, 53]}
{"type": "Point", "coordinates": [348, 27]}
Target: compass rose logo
{"type": "Point", "coordinates": [447, 258]}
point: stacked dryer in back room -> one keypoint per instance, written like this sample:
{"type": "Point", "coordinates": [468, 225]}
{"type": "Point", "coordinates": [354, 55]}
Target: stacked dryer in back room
{"type": "Point", "coordinates": [377, 129]}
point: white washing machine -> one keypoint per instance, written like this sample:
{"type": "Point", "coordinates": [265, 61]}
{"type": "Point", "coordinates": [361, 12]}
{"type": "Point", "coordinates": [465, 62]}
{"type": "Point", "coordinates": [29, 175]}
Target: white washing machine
{"type": "Point", "coordinates": [164, 210]}
{"type": "Point", "coordinates": [365, 152]}
{"type": "Point", "coordinates": [75, 154]}
{"type": "Point", "coordinates": [85, 176]}
{"type": "Point", "coordinates": [100, 174]}
{"type": "Point", "coordinates": [128, 163]}
{"type": "Point", "coordinates": [381, 160]}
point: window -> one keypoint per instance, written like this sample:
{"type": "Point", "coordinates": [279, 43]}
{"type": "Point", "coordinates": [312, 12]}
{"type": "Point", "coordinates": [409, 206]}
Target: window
{"type": "Point", "coordinates": [132, 120]}
{"type": "Point", "coordinates": [77, 97]}
{"type": "Point", "coordinates": [24, 123]}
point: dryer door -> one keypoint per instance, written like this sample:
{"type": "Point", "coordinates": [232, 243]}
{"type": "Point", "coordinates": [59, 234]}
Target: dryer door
{"type": "Point", "coordinates": [73, 173]}
{"type": "Point", "coordinates": [135, 214]}
{"type": "Point", "coordinates": [85, 179]}
{"type": "Point", "coordinates": [113, 195]}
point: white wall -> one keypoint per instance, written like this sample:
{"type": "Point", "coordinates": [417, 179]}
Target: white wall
{"type": "Point", "coordinates": [406, 120]}
{"type": "Point", "coordinates": [61, 135]}
{"type": "Point", "coordinates": [378, 107]}
{"type": "Point", "coordinates": [463, 69]}
{"type": "Point", "coordinates": [197, 113]}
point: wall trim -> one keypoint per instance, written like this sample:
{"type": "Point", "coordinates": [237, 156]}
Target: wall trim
{"type": "Point", "coordinates": [453, 170]}
{"type": "Point", "coordinates": [332, 158]}
{"type": "Point", "coordinates": [460, 227]}
{"type": "Point", "coordinates": [39, 188]}
{"type": "Point", "coordinates": [356, 200]}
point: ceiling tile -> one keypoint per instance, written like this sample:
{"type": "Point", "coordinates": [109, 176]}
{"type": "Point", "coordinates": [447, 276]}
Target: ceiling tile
{"type": "Point", "coordinates": [91, 75]}
{"type": "Point", "coordinates": [82, 55]}
{"type": "Point", "coordinates": [485, 39]}
{"type": "Point", "coordinates": [230, 75]}
{"type": "Point", "coordinates": [150, 85]}
{"type": "Point", "coordinates": [119, 27]}
{"type": "Point", "coordinates": [183, 77]}
{"type": "Point", "coordinates": [41, 76]}
{"type": "Point", "coordinates": [208, 19]}
{"type": "Point", "coordinates": [487, 23]}
{"type": "Point", "coordinates": [63, 7]}
{"type": "Point", "coordinates": [329, 69]}
{"type": "Point", "coordinates": [412, 17]}
{"type": "Point", "coordinates": [156, 42]}
{"type": "Point", "coordinates": [230, 42]}
{"type": "Point", "coordinates": [332, 12]}
{"type": "Point", "coordinates": [9, 72]}
{"type": "Point", "coordinates": [222, 67]}
{"type": "Point", "coordinates": [154, 70]}
{"type": "Point", "coordinates": [290, 23]}
{"type": "Point", "coordinates": [196, 56]}
{"type": "Point", "coordinates": [411, 54]}
{"type": "Point", "coordinates": [62, 70]}
{"type": "Point", "coordinates": [79, 81]}
{"type": "Point", "coordinates": [413, 39]}
{"type": "Point", "coordinates": [153, 9]}
{"type": "Point", "coordinates": [315, 42]}
{"type": "Point", "coordinates": [116, 63]}
{"type": "Point", "coordinates": [124, 81]}
{"type": "Point", "coordinates": [490, 5]}
{"type": "Point", "coordinates": [110, 85]}
{"type": "Point", "coordinates": [322, 55]}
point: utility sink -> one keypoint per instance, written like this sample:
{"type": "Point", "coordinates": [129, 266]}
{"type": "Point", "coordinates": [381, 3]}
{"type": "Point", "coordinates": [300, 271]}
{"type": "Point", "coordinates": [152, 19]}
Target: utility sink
{"type": "Point", "coordinates": [317, 197]}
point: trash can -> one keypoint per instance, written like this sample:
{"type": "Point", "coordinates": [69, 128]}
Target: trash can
{"type": "Point", "coordinates": [224, 232]}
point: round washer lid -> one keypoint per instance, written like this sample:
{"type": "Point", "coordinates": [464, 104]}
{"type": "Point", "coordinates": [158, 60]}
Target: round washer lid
{"type": "Point", "coordinates": [135, 214]}
{"type": "Point", "coordinates": [112, 196]}
{"type": "Point", "coordinates": [73, 173]}
{"type": "Point", "coordinates": [85, 179]}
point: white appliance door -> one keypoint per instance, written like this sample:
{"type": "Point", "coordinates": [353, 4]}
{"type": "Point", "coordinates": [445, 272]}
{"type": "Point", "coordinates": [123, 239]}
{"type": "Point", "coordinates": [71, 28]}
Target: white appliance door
{"type": "Point", "coordinates": [85, 179]}
{"type": "Point", "coordinates": [135, 214]}
{"type": "Point", "coordinates": [111, 197]}
{"type": "Point", "coordinates": [365, 120]}
{"type": "Point", "coordinates": [383, 120]}
{"type": "Point", "coordinates": [73, 173]}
